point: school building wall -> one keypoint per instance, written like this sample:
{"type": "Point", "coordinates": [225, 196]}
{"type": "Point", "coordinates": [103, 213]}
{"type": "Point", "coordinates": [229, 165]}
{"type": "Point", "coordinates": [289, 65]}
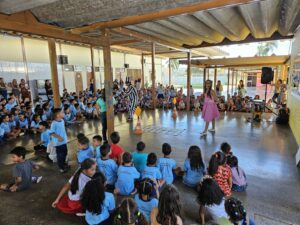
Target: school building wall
{"type": "Point", "coordinates": [30, 61]}
{"type": "Point", "coordinates": [294, 92]}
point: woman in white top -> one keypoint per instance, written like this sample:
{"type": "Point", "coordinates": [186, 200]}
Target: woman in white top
{"type": "Point", "coordinates": [241, 89]}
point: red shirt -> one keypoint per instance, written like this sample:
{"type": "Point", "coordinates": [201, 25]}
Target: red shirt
{"type": "Point", "coordinates": [116, 153]}
{"type": "Point", "coordinates": [222, 176]}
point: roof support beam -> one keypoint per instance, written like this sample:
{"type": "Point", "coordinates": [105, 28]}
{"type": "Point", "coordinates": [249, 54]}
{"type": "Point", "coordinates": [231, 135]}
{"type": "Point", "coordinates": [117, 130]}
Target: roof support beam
{"type": "Point", "coordinates": [25, 22]}
{"type": "Point", "coordinates": [248, 39]}
{"type": "Point", "coordinates": [148, 38]}
{"type": "Point", "coordinates": [125, 42]}
{"type": "Point", "coordinates": [130, 20]}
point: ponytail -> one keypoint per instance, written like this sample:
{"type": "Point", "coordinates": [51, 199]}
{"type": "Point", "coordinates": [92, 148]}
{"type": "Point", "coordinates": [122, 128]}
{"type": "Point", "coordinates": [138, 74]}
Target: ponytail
{"type": "Point", "coordinates": [85, 165]}
{"type": "Point", "coordinates": [215, 161]}
{"type": "Point", "coordinates": [236, 211]}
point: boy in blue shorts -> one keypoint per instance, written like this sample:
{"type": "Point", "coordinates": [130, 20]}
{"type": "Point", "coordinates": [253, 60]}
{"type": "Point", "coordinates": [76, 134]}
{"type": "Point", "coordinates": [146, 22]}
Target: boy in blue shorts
{"type": "Point", "coordinates": [139, 157]}
{"type": "Point", "coordinates": [85, 151]}
{"type": "Point", "coordinates": [60, 139]}
{"type": "Point", "coordinates": [166, 165]}
{"type": "Point", "coordinates": [107, 166]}
{"type": "Point", "coordinates": [127, 174]}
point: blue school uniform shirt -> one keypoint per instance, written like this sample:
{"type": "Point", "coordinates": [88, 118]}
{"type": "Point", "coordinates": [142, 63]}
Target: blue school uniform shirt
{"type": "Point", "coordinates": [126, 177]}
{"type": "Point", "coordinates": [9, 106]}
{"type": "Point", "coordinates": [108, 206]}
{"type": "Point", "coordinates": [44, 117]}
{"type": "Point", "coordinates": [139, 160]}
{"type": "Point", "coordinates": [48, 113]}
{"type": "Point", "coordinates": [89, 109]}
{"type": "Point", "coordinates": [166, 167]}
{"type": "Point", "coordinates": [12, 124]}
{"type": "Point", "coordinates": [1, 132]}
{"type": "Point", "coordinates": [109, 168]}
{"type": "Point", "coordinates": [73, 110]}
{"type": "Point", "coordinates": [45, 137]}
{"type": "Point", "coordinates": [58, 128]}
{"type": "Point", "coordinates": [34, 124]}
{"type": "Point", "coordinates": [97, 152]}
{"type": "Point", "coordinates": [146, 207]}
{"type": "Point", "coordinates": [24, 123]}
{"type": "Point", "coordinates": [85, 154]}
{"type": "Point", "coordinates": [192, 177]}
{"type": "Point", "coordinates": [151, 172]}
{"type": "Point", "coordinates": [5, 126]}
{"type": "Point", "coordinates": [82, 107]}
{"type": "Point", "coordinates": [69, 117]}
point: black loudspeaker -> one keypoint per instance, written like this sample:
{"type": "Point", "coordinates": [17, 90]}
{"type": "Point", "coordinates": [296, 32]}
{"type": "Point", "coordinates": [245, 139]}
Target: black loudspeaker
{"type": "Point", "coordinates": [126, 65]}
{"type": "Point", "coordinates": [267, 75]}
{"type": "Point", "coordinates": [62, 59]}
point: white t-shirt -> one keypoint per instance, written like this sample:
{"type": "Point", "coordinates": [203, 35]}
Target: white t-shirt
{"type": "Point", "coordinates": [83, 179]}
{"type": "Point", "coordinates": [217, 211]}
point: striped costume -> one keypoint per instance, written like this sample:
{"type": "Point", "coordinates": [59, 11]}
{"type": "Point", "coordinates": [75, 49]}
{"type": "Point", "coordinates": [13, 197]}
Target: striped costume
{"type": "Point", "coordinates": [133, 98]}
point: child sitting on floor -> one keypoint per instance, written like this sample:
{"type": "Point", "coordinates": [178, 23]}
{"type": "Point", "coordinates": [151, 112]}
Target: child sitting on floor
{"type": "Point", "coordinates": [8, 133]}
{"type": "Point", "coordinates": [34, 126]}
{"type": "Point", "coordinates": [70, 203]}
{"type": "Point", "coordinates": [45, 137]}
{"type": "Point", "coordinates": [144, 200]}
{"type": "Point", "coordinates": [23, 123]}
{"type": "Point", "coordinates": [97, 142]}
{"type": "Point", "coordinates": [98, 204]}
{"type": "Point", "coordinates": [127, 174]}
{"type": "Point", "coordinates": [167, 165]}
{"type": "Point", "coordinates": [22, 172]}
{"type": "Point", "coordinates": [139, 157]}
{"type": "Point", "coordinates": [226, 149]}
{"type": "Point", "coordinates": [85, 151]}
{"type": "Point", "coordinates": [239, 180]}
{"type": "Point", "coordinates": [194, 167]}
{"type": "Point", "coordinates": [116, 150]}
{"type": "Point", "coordinates": [107, 166]}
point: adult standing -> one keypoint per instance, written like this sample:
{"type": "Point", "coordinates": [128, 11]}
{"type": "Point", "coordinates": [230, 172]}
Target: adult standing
{"type": "Point", "coordinates": [15, 89]}
{"type": "Point", "coordinates": [210, 110]}
{"type": "Point", "coordinates": [133, 99]}
{"type": "Point", "coordinates": [241, 89]}
{"type": "Point", "coordinates": [219, 88]}
{"type": "Point", "coordinates": [48, 88]}
{"type": "Point", "coordinates": [25, 93]}
{"type": "Point", "coordinates": [3, 88]}
{"type": "Point", "coordinates": [91, 88]}
{"type": "Point", "coordinates": [277, 92]}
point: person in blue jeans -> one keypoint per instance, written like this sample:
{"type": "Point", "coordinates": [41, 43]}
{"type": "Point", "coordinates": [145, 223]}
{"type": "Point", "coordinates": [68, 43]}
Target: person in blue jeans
{"type": "Point", "coordinates": [59, 136]}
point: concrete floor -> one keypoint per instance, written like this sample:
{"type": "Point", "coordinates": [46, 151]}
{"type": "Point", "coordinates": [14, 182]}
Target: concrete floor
{"type": "Point", "coordinates": [266, 152]}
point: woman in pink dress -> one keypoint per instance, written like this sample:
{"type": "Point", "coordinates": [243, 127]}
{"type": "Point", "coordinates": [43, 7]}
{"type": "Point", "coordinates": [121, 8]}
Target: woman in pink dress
{"type": "Point", "coordinates": [210, 110]}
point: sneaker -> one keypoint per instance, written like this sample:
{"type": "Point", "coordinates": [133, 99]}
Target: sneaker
{"type": "Point", "coordinates": [80, 214]}
{"type": "Point", "coordinates": [38, 180]}
{"type": "Point", "coordinates": [212, 130]}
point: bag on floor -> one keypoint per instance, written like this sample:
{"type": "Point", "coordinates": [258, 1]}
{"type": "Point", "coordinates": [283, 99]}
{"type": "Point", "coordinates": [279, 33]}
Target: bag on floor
{"type": "Point", "coordinates": [51, 150]}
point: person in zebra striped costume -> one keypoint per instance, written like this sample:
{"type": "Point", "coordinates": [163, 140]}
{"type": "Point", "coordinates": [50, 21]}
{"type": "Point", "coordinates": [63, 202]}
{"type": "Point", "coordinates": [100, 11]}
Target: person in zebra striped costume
{"type": "Point", "coordinates": [133, 99]}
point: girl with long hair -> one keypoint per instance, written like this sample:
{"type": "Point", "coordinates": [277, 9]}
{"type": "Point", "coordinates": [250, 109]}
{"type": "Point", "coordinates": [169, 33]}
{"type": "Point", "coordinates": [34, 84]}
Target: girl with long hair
{"type": "Point", "coordinates": [15, 89]}
{"type": "Point", "coordinates": [168, 211]}
{"type": "Point", "coordinates": [97, 203]}
{"type": "Point", "coordinates": [194, 167]}
{"type": "Point", "coordinates": [70, 204]}
{"type": "Point", "coordinates": [3, 88]}
{"type": "Point", "coordinates": [241, 89]}
{"type": "Point", "coordinates": [221, 172]}
{"type": "Point", "coordinates": [129, 214]}
{"type": "Point", "coordinates": [210, 110]}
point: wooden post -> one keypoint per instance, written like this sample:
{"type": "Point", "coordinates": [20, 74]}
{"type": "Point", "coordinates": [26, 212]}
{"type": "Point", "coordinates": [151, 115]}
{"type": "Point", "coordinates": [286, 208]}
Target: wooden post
{"type": "Point", "coordinates": [204, 78]}
{"type": "Point", "coordinates": [228, 81]}
{"type": "Point", "coordinates": [170, 72]}
{"type": "Point", "coordinates": [207, 70]}
{"type": "Point", "coordinates": [93, 69]}
{"type": "Point", "coordinates": [232, 81]}
{"type": "Point", "coordinates": [236, 78]}
{"type": "Point", "coordinates": [189, 74]}
{"type": "Point", "coordinates": [108, 82]}
{"type": "Point", "coordinates": [143, 71]}
{"type": "Point", "coordinates": [153, 75]}
{"type": "Point", "coordinates": [215, 78]}
{"type": "Point", "coordinates": [54, 73]}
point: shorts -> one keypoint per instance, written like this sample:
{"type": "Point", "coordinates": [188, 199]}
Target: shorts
{"type": "Point", "coordinates": [160, 96]}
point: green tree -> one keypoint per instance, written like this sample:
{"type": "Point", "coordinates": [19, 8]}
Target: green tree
{"type": "Point", "coordinates": [174, 64]}
{"type": "Point", "coordinates": [266, 48]}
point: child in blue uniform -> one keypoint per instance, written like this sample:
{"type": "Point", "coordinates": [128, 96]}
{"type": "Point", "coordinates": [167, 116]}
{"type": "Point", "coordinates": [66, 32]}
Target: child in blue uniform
{"type": "Point", "coordinates": [107, 166]}
{"type": "Point", "coordinates": [151, 171]}
{"type": "Point", "coordinates": [97, 142]}
{"type": "Point", "coordinates": [85, 151]}
{"type": "Point", "coordinates": [139, 157]}
{"type": "Point", "coordinates": [23, 123]}
{"type": "Point", "coordinates": [166, 165]}
{"type": "Point", "coordinates": [45, 137]}
{"type": "Point", "coordinates": [35, 123]}
{"type": "Point", "coordinates": [144, 200]}
{"type": "Point", "coordinates": [127, 174]}
{"type": "Point", "coordinates": [98, 204]}
{"type": "Point", "coordinates": [194, 167]}
{"type": "Point", "coordinates": [60, 139]}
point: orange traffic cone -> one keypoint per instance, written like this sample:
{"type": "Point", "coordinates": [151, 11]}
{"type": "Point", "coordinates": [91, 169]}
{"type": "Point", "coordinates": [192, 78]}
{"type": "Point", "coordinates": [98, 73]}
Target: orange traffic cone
{"type": "Point", "coordinates": [138, 129]}
{"type": "Point", "coordinates": [174, 114]}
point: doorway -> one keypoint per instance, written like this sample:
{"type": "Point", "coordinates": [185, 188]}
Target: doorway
{"type": "Point", "coordinates": [78, 82]}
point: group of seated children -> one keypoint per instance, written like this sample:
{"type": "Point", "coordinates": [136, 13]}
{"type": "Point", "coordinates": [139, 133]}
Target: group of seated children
{"type": "Point", "coordinates": [107, 171]}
